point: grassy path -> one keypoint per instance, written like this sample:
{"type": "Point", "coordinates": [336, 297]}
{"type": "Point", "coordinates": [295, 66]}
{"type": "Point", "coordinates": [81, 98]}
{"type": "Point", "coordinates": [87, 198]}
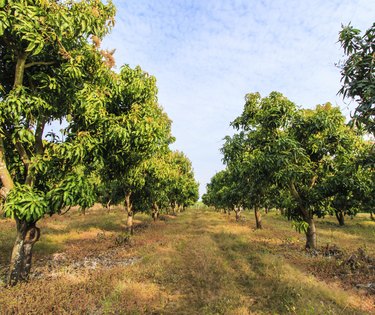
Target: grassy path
{"type": "Point", "coordinates": [201, 262]}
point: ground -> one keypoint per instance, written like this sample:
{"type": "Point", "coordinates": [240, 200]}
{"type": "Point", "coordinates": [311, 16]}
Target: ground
{"type": "Point", "coordinates": [200, 262]}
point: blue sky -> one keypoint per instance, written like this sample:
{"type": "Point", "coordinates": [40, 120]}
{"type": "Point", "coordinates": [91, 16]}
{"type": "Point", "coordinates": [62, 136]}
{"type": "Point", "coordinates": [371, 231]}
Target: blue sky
{"type": "Point", "coordinates": [207, 54]}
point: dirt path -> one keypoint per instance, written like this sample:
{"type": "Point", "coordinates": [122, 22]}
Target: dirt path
{"type": "Point", "coordinates": [198, 263]}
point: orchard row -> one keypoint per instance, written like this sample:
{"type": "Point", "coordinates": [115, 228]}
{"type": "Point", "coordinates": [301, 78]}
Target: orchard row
{"type": "Point", "coordinates": [113, 146]}
{"type": "Point", "coordinates": [305, 162]}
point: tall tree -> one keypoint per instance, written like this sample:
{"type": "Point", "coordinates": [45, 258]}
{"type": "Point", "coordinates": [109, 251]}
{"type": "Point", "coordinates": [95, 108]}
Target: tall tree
{"type": "Point", "coordinates": [140, 129]}
{"type": "Point", "coordinates": [49, 71]}
{"type": "Point", "coordinates": [294, 149]}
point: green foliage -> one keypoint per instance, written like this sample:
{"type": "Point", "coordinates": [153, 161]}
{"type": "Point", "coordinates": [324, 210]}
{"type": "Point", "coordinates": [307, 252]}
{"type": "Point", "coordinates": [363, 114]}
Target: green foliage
{"type": "Point", "coordinates": [25, 203]}
{"type": "Point", "coordinates": [49, 71]}
{"type": "Point", "coordinates": [306, 162]}
{"type": "Point", "coordinates": [300, 226]}
{"type": "Point", "coordinates": [249, 153]}
{"type": "Point", "coordinates": [224, 191]}
{"type": "Point", "coordinates": [136, 129]}
{"type": "Point", "coordinates": [358, 75]}
{"type": "Point", "coordinates": [74, 189]}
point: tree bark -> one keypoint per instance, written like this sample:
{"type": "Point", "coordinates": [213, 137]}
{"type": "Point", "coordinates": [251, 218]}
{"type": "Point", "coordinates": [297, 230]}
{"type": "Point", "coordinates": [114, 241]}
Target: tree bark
{"type": "Point", "coordinates": [372, 216]}
{"type": "Point", "coordinates": [129, 211]}
{"type": "Point", "coordinates": [20, 69]}
{"type": "Point", "coordinates": [155, 212]}
{"type": "Point", "coordinates": [108, 206]}
{"type": "Point", "coordinates": [238, 214]}
{"type": "Point", "coordinates": [258, 218]}
{"type": "Point", "coordinates": [175, 208]}
{"type": "Point", "coordinates": [311, 242]}
{"type": "Point", "coordinates": [20, 264]}
{"type": "Point", "coordinates": [340, 217]}
{"type": "Point", "coordinates": [32, 236]}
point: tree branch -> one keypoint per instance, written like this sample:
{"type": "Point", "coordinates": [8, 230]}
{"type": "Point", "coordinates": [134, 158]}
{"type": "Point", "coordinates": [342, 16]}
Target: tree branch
{"type": "Point", "coordinates": [298, 198]}
{"type": "Point", "coordinates": [39, 149]}
{"type": "Point", "coordinates": [3, 193]}
{"type": "Point", "coordinates": [23, 154]}
{"type": "Point", "coordinates": [313, 181]}
{"type": "Point", "coordinates": [20, 69]}
{"type": "Point", "coordinates": [62, 213]}
{"type": "Point", "coordinates": [25, 160]}
{"type": "Point", "coordinates": [39, 63]}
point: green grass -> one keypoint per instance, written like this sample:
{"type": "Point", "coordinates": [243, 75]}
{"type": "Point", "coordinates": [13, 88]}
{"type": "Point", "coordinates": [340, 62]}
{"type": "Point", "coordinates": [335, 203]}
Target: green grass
{"type": "Point", "coordinates": [200, 262]}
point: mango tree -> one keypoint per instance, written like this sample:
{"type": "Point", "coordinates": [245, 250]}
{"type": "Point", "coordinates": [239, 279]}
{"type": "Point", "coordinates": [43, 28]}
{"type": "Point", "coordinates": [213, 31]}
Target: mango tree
{"type": "Point", "coordinates": [299, 149]}
{"type": "Point", "coordinates": [221, 194]}
{"type": "Point", "coordinates": [350, 182]}
{"type": "Point", "coordinates": [214, 196]}
{"type": "Point", "coordinates": [139, 129]}
{"type": "Point", "coordinates": [182, 188]}
{"type": "Point", "coordinates": [49, 72]}
{"type": "Point", "coordinates": [248, 171]}
{"type": "Point", "coordinates": [159, 174]}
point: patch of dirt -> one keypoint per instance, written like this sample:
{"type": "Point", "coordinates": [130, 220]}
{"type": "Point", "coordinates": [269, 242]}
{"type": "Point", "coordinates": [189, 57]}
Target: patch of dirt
{"type": "Point", "coordinates": [61, 264]}
{"type": "Point", "coordinates": [103, 252]}
{"type": "Point", "coordinates": [353, 270]}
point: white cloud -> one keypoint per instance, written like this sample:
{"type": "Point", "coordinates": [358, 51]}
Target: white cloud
{"type": "Point", "coordinates": [208, 54]}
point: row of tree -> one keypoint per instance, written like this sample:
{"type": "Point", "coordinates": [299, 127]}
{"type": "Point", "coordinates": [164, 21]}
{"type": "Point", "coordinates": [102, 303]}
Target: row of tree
{"type": "Point", "coordinates": [114, 145]}
{"type": "Point", "coordinates": [305, 162]}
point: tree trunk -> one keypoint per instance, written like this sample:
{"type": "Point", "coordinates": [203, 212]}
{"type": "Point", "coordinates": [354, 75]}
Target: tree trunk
{"type": "Point", "coordinates": [108, 205]}
{"type": "Point", "coordinates": [20, 264]}
{"type": "Point", "coordinates": [175, 208]}
{"type": "Point", "coordinates": [129, 211]}
{"type": "Point", "coordinates": [372, 215]}
{"type": "Point", "coordinates": [238, 214]}
{"type": "Point", "coordinates": [20, 68]}
{"type": "Point", "coordinates": [311, 242]}
{"type": "Point", "coordinates": [32, 236]}
{"type": "Point", "coordinates": [340, 217]}
{"type": "Point", "coordinates": [155, 212]}
{"type": "Point", "coordinates": [258, 218]}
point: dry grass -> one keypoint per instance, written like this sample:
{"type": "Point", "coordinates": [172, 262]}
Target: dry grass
{"type": "Point", "coordinates": [201, 262]}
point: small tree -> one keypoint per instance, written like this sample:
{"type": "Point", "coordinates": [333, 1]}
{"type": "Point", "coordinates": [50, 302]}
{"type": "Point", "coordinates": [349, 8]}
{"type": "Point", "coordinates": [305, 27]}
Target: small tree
{"type": "Point", "coordinates": [182, 188]}
{"type": "Point", "coordinates": [165, 179]}
{"type": "Point", "coordinates": [347, 187]}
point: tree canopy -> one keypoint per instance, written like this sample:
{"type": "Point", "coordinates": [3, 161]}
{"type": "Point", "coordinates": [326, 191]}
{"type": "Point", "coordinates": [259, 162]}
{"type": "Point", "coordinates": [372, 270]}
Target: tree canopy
{"type": "Point", "coordinates": [358, 73]}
